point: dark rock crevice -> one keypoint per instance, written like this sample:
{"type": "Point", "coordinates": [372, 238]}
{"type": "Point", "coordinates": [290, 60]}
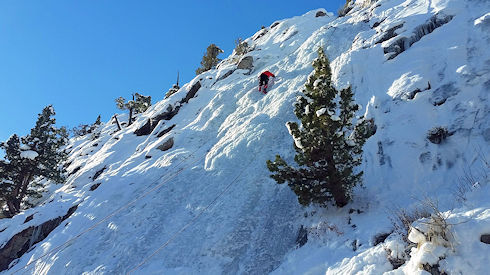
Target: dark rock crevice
{"type": "Point", "coordinates": [98, 173]}
{"type": "Point", "coordinates": [403, 43]}
{"type": "Point", "coordinates": [74, 171]}
{"type": "Point", "coordinates": [165, 131]}
{"type": "Point", "coordinates": [21, 242]}
{"type": "Point", "coordinates": [302, 237]}
{"type": "Point", "coordinates": [389, 34]}
{"type": "Point", "coordinates": [227, 74]}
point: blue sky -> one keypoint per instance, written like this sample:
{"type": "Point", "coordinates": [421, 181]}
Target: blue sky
{"type": "Point", "coordinates": [81, 55]}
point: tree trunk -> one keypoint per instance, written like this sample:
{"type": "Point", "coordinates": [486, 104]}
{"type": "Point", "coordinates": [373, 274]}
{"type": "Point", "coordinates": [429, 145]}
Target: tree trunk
{"type": "Point", "coordinates": [117, 123]}
{"type": "Point", "coordinates": [130, 116]}
{"type": "Point", "coordinates": [18, 195]}
{"type": "Point", "coordinates": [131, 112]}
{"type": "Point", "coordinates": [339, 194]}
{"type": "Point", "coordinates": [335, 183]}
{"type": "Point", "coordinates": [25, 184]}
{"type": "Point", "coordinates": [13, 207]}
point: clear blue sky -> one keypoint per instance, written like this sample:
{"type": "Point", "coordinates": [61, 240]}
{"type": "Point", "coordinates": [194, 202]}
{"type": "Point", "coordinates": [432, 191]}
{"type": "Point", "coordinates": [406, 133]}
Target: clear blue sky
{"type": "Point", "coordinates": [81, 55]}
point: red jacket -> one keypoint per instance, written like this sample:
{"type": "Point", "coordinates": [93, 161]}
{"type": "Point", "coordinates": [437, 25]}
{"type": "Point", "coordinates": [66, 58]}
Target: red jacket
{"type": "Point", "coordinates": [269, 74]}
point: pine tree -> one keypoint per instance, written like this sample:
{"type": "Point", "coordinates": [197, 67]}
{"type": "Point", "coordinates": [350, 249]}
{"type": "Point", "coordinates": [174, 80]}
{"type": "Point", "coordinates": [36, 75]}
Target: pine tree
{"type": "Point", "coordinates": [97, 122]}
{"type": "Point", "coordinates": [328, 146]}
{"type": "Point", "coordinates": [142, 103]}
{"type": "Point", "coordinates": [95, 128]}
{"type": "Point", "coordinates": [38, 154]}
{"type": "Point", "coordinates": [139, 104]}
{"type": "Point", "coordinates": [80, 130]}
{"type": "Point", "coordinates": [10, 175]}
{"type": "Point", "coordinates": [84, 129]}
{"type": "Point", "coordinates": [210, 60]}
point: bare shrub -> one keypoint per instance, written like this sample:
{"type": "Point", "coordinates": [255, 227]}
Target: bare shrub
{"type": "Point", "coordinates": [432, 224]}
{"type": "Point", "coordinates": [402, 219]}
{"type": "Point", "coordinates": [241, 47]}
{"type": "Point", "coordinates": [438, 229]}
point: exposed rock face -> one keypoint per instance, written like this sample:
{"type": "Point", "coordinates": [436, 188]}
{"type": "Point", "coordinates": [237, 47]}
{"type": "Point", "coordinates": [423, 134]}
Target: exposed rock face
{"type": "Point", "coordinates": [259, 34]}
{"type": "Point", "coordinates": [227, 74]}
{"type": "Point", "coordinates": [402, 44]}
{"type": "Point", "coordinates": [98, 173]}
{"type": "Point", "coordinates": [379, 238]}
{"type": "Point", "coordinates": [275, 24]}
{"type": "Point", "coordinates": [148, 127]}
{"type": "Point", "coordinates": [320, 13]}
{"type": "Point", "coordinates": [390, 33]}
{"type": "Point", "coordinates": [192, 92]}
{"type": "Point", "coordinates": [23, 241]}
{"type": "Point", "coordinates": [145, 129]}
{"type": "Point", "coordinates": [165, 131]}
{"type": "Point", "coordinates": [94, 186]}
{"type": "Point", "coordinates": [302, 238]}
{"type": "Point", "coordinates": [485, 238]}
{"type": "Point", "coordinates": [246, 63]}
{"type": "Point", "coordinates": [74, 171]}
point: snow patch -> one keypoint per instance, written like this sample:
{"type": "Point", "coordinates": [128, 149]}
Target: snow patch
{"type": "Point", "coordinates": [29, 154]}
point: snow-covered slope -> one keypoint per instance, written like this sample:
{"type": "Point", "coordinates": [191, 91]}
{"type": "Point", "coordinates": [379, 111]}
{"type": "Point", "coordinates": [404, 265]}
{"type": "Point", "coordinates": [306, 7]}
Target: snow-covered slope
{"type": "Point", "coordinates": [207, 205]}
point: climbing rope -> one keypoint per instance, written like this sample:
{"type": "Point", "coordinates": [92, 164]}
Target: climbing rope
{"type": "Point", "coordinates": [63, 246]}
{"type": "Point", "coordinates": [192, 221]}
{"type": "Point", "coordinates": [146, 193]}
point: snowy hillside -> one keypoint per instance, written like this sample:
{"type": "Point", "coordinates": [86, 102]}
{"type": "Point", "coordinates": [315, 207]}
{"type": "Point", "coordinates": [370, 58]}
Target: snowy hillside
{"type": "Point", "coordinates": [190, 193]}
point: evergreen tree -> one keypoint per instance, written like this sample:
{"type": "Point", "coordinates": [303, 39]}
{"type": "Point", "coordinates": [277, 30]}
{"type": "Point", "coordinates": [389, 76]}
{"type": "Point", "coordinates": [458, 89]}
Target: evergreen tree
{"type": "Point", "coordinates": [10, 174]}
{"type": "Point", "coordinates": [47, 140]}
{"type": "Point", "coordinates": [38, 155]}
{"type": "Point", "coordinates": [210, 60]}
{"type": "Point", "coordinates": [81, 130]}
{"type": "Point", "coordinates": [84, 129]}
{"type": "Point", "coordinates": [139, 104]}
{"type": "Point", "coordinates": [95, 128]}
{"type": "Point", "coordinates": [97, 122]}
{"type": "Point", "coordinates": [328, 146]}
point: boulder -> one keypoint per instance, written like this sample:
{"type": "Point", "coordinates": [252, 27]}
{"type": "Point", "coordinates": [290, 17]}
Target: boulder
{"type": "Point", "coordinates": [246, 63]}
{"type": "Point", "coordinates": [166, 145]}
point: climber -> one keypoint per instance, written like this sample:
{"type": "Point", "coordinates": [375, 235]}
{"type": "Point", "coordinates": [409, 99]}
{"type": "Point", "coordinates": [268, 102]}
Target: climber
{"type": "Point", "coordinates": [263, 80]}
